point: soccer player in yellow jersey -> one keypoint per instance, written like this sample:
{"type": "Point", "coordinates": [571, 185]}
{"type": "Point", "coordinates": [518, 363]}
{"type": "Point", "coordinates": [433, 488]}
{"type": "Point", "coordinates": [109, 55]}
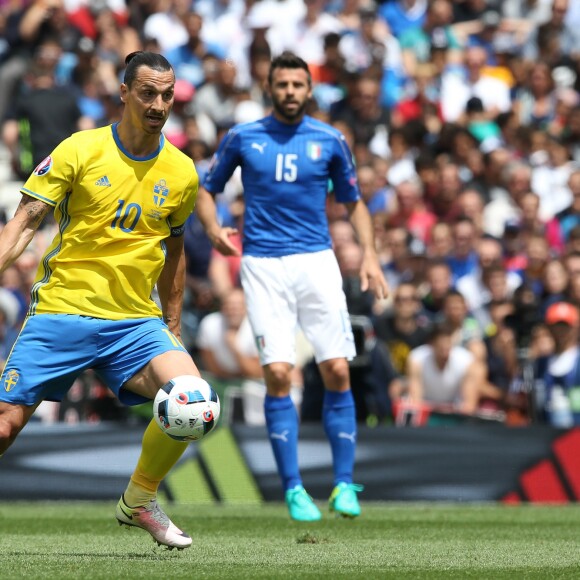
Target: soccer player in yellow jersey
{"type": "Point", "coordinates": [120, 195]}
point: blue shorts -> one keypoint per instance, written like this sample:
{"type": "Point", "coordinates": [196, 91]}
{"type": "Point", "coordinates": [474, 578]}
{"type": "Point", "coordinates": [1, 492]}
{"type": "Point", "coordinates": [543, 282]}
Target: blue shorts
{"type": "Point", "coordinates": [53, 349]}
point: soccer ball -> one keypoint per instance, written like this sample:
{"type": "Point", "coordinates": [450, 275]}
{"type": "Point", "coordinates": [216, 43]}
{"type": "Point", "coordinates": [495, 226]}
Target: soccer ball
{"type": "Point", "coordinates": [186, 408]}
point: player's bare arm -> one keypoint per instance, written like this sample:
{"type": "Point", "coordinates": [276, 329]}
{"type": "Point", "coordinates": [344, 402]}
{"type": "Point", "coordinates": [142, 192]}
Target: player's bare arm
{"type": "Point", "coordinates": [171, 284]}
{"type": "Point", "coordinates": [19, 231]}
{"type": "Point", "coordinates": [414, 380]}
{"type": "Point", "coordinates": [219, 237]}
{"type": "Point", "coordinates": [371, 273]}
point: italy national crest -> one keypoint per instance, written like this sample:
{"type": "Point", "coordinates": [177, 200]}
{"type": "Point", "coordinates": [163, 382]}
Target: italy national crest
{"type": "Point", "coordinates": [314, 150]}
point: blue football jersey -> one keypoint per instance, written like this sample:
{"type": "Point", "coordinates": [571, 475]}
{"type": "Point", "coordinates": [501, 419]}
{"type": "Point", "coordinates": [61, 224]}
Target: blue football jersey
{"type": "Point", "coordinates": [285, 173]}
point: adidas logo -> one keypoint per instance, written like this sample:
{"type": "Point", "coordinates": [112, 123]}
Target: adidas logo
{"type": "Point", "coordinates": [104, 181]}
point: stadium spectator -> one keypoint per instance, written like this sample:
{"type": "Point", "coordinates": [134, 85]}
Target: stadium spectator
{"type": "Point", "coordinates": [218, 99]}
{"type": "Point", "coordinates": [500, 285]}
{"type": "Point", "coordinates": [537, 255]}
{"type": "Point", "coordinates": [441, 244]}
{"type": "Point", "coordinates": [572, 132]}
{"type": "Point", "coordinates": [555, 284]}
{"type": "Point", "coordinates": [372, 49]}
{"type": "Point", "coordinates": [403, 15]}
{"type": "Point", "coordinates": [504, 205]}
{"type": "Point", "coordinates": [417, 42]}
{"type": "Point", "coordinates": [378, 199]}
{"type": "Point", "coordinates": [457, 89]}
{"type": "Point", "coordinates": [228, 33]}
{"type": "Point", "coordinates": [114, 39]}
{"type": "Point", "coordinates": [471, 205]}
{"type": "Point", "coordinates": [187, 58]}
{"type": "Point", "coordinates": [570, 217]}
{"type": "Point", "coordinates": [559, 399]}
{"type": "Point", "coordinates": [468, 332]}
{"type": "Point", "coordinates": [260, 57]}
{"type": "Point", "coordinates": [573, 290]}
{"type": "Point", "coordinates": [443, 375]}
{"type": "Point", "coordinates": [428, 171]}
{"type": "Point", "coordinates": [166, 23]}
{"type": "Point", "coordinates": [27, 28]}
{"type": "Point", "coordinates": [501, 359]}
{"type": "Point", "coordinates": [463, 258]}
{"type": "Point", "coordinates": [411, 212]}
{"type": "Point", "coordinates": [439, 281]}
{"type": "Point", "coordinates": [306, 34]}
{"type": "Point", "coordinates": [536, 102]}
{"type": "Point", "coordinates": [483, 132]}
{"type": "Point", "coordinates": [403, 327]}
{"type": "Point", "coordinates": [476, 287]}
{"type": "Point", "coordinates": [363, 112]}
{"type": "Point", "coordinates": [532, 224]}
{"type": "Point", "coordinates": [550, 180]}
{"type": "Point", "coordinates": [420, 100]}
{"type": "Point", "coordinates": [225, 341]}
{"type": "Point", "coordinates": [396, 269]}
{"type": "Point", "coordinates": [573, 243]}
{"type": "Point", "coordinates": [444, 204]}
{"type": "Point", "coordinates": [42, 116]}
{"type": "Point", "coordinates": [572, 263]}
{"type": "Point", "coordinates": [349, 256]}
{"type": "Point", "coordinates": [556, 30]}
{"type": "Point", "coordinates": [494, 178]}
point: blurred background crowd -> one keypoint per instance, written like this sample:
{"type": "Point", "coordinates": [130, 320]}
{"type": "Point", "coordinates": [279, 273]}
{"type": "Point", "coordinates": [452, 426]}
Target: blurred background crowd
{"type": "Point", "coordinates": [464, 120]}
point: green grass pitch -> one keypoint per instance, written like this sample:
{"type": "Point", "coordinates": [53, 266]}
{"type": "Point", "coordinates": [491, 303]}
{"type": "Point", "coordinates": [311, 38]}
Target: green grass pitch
{"type": "Point", "coordinates": [63, 540]}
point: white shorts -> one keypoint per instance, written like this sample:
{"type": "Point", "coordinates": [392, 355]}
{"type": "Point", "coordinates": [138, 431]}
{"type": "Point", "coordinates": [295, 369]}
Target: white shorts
{"type": "Point", "coordinates": [300, 289]}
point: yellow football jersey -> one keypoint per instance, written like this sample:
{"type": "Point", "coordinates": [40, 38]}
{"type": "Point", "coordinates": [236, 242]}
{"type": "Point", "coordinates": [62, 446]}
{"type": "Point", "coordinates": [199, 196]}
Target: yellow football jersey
{"type": "Point", "coordinates": [114, 212]}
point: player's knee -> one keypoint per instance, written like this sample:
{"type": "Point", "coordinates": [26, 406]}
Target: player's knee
{"type": "Point", "coordinates": [277, 377]}
{"type": "Point", "coordinates": [336, 374]}
{"type": "Point", "coordinates": [8, 433]}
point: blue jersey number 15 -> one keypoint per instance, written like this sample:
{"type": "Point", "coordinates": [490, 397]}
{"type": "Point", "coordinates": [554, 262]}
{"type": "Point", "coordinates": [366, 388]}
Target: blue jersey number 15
{"type": "Point", "coordinates": [286, 168]}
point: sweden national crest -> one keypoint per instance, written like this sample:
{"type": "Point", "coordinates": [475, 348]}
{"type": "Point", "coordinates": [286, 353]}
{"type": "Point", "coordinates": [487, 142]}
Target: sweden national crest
{"type": "Point", "coordinates": [10, 380]}
{"type": "Point", "coordinates": [160, 192]}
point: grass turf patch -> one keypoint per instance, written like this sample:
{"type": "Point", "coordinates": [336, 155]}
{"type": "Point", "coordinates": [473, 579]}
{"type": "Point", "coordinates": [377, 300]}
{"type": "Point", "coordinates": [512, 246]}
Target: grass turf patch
{"type": "Point", "coordinates": [63, 540]}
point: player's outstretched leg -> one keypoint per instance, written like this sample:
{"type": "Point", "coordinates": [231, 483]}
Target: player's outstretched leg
{"type": "Point", "coordinates": [339, 419]}
{"type": "Point", "coordinates": [282, 424]}
{"type": "Point", "coordinates": [138, 506]}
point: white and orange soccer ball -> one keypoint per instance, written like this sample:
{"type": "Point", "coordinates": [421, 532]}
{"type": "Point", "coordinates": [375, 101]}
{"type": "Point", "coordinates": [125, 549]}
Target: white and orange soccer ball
{"type": "Point", "coordinates": [186, 408]}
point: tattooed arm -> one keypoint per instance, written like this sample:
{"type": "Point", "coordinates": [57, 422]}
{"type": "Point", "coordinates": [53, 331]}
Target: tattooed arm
{"type": "Point", "coordinates": [19, 231]}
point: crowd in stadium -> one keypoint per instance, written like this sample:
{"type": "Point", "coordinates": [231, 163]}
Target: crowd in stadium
{"type": "Point", "coordinates": [464, 120]}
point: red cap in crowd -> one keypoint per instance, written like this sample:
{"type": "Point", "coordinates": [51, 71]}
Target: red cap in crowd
{"type": "Point", "coordinates": [562, 312]}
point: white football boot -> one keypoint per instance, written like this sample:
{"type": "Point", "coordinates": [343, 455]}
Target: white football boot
{"type": "Point", "coordinates": [154, 520]}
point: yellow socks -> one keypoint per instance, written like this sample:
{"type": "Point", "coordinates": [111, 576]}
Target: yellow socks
{"type": "Point", "coordinates": [159, 453]}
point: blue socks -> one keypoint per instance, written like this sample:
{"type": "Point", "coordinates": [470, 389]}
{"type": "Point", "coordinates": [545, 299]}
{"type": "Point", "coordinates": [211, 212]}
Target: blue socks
{"type": "Point", "coordinates": [282, 424]}
{"type": "Point", "coordinates": [339, 418]}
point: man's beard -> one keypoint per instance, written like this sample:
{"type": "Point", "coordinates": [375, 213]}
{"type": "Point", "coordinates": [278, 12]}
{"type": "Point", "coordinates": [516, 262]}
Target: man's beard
{"type": "Point", "coordinates": [279, 108]}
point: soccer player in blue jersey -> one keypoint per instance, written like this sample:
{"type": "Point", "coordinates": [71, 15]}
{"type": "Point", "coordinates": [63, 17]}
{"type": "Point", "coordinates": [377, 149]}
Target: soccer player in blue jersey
{"type": "Point", "coordinates": [121, 195]}
{"type": "Point", "coordinates": [289, 272]}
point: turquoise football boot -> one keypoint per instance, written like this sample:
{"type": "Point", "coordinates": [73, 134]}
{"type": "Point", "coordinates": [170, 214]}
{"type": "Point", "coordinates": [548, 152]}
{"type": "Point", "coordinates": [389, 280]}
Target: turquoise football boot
{"type": "Point", "coordinates": [301, 506]}
{"type": "Point", "coordinates": [344, 501]}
